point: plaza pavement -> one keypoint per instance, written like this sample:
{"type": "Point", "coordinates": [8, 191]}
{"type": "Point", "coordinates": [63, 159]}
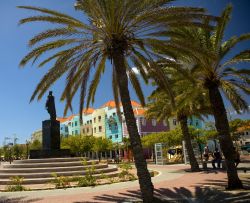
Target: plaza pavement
{"type": "Point", "coordinates": [172, 184]}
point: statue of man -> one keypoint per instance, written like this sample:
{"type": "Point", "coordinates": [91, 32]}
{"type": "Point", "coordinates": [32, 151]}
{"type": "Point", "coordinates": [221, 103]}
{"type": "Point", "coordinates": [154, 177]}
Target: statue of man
{"type": "Point", "coordinates": [50, 106]}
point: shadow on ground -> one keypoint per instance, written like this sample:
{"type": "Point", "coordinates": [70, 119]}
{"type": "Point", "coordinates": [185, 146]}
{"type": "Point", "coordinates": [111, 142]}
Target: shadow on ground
{"type": "Point", "coordinates": [212, 192]}
{"type": "Point", "coordinates": [4, 199]}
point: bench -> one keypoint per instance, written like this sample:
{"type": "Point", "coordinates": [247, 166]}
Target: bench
{"type": "Point", "coordinates": [204, 164]}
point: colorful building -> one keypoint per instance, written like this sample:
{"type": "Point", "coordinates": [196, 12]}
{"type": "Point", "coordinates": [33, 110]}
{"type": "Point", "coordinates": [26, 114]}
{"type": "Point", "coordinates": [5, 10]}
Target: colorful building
{"type": "Point", "coordinates": [87, 127]}
{"type": "Point", "coordinates": [192, 121]}
{"type": "Point", "coordinates": [145, 126]}
{"type": "Point", "coordinates": [98, 122]}
{"type": "Point", "coordinates": [37, 135]}
{"type": "Point", "coordinates": [113, 126]}
{"type": "Point", "coordinates": [104, 122]}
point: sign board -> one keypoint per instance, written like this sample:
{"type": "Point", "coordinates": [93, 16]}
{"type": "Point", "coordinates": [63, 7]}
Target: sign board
{"type": "Point", "coordinates": [197, 152]}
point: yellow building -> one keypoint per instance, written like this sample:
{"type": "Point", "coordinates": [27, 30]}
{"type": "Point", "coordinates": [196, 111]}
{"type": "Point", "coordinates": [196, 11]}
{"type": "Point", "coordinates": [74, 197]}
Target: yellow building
{"type": "Point", "coordinates": [98, 122]}
{"type": "Point", "coordinates": [37, 135]}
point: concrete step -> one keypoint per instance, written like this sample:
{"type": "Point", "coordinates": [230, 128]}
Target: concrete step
{"type": "Point", "coordinates": [47, 160]}
{"type": "Point", "coordinates": [46, 165]}
{"type": "Point", "coordinates": [49, 174]}
{"type": "Point", "coordinates": [51, 169]}
{"type": "Point", "coordinates": [50, 179]}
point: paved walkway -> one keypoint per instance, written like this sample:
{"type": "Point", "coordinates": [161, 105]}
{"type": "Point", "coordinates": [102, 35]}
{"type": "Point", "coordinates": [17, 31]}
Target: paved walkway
{"type": "Point", "coordinates": [173, 184]}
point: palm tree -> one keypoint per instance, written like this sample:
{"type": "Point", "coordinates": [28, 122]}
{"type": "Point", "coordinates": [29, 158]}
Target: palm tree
{"type": "Point", "coordinates": [123, 32]}
{"type": "Point", "coordinates": [189, 101]}
{"type": "Point", "coordinates": [220, 75]}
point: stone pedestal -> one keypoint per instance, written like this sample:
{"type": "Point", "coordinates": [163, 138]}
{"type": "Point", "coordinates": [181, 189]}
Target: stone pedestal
{"type": "Point", "coordinates": [51, 135]}
{"type": "Point", "coordinates": [50, 142]}
{"type": "Point", "coordinates": [54, 153]}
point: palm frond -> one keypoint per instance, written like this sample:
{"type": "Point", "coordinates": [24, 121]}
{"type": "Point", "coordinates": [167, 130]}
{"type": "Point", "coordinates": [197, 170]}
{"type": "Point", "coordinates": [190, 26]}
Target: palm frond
{"type": "Point", "coordinates": [220, 28]}
{"type": "Point", "coordinates": [243, 56]}
{"type": "Point", "coordinates": [234, 97]}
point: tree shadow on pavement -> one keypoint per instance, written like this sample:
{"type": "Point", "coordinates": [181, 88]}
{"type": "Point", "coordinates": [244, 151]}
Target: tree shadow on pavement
{"type": "Point", "coordinates": [5, 199]}
{"type": "Point", "coordinates": [212, 192]}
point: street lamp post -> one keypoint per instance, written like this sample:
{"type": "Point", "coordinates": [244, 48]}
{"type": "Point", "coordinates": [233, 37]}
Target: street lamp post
{"type": "Point", "coordinates": [27, 148]}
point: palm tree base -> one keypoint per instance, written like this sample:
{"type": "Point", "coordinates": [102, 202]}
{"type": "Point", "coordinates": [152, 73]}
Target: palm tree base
{"type": "Point", "coordinates": [195, 170]}
{"type": "Point", "coordinates": [237, 186]}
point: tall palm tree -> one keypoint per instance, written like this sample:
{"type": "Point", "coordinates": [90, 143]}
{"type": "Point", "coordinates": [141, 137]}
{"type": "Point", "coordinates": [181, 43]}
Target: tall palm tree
{"type": "Point", "coordinates": [189, 101]}
{"type": "Point", "coordinates": [218, 75]}
{"type": "Point", "coordinates": [122, 32]}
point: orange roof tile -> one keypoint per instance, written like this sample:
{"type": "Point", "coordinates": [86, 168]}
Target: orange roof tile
{"type": "Point", "coordinates": [111, 104]}
{"type": "Point", "coordinates": [139, 112]}
{"type": "Point", "coordinates": [135, 104]}
{"type": "Point", "coordinates": [243, 128]}
{"type": "Point", "coordinates": [61, 120]}
{"type": "Point", "coordinates": [88, 111]}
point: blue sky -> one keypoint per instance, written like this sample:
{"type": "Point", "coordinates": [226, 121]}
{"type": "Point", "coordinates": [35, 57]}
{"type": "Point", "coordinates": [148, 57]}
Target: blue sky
{"type": "Point", "coordinates": [20, 117]}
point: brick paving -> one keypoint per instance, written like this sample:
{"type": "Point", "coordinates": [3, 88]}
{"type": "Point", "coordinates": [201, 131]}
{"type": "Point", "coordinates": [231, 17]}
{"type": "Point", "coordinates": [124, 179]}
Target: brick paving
{"type": "Point", "coordinates": [173, 184]}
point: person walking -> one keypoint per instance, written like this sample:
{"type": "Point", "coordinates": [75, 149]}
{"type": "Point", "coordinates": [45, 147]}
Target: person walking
{"type": "Point", "coordinates": [236, 157]}
{"type": "Point", "coordinates": [217, 158]}
{"type": "Point", "coordinates": [206, 153]}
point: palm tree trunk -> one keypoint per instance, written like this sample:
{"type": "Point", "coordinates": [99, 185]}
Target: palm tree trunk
{"type": "Point", "coordinates": [145, 182]}
{"type": "Point", "coordinates": [186, 135]}
{"type": "Point", "coordinates": [222, 126]}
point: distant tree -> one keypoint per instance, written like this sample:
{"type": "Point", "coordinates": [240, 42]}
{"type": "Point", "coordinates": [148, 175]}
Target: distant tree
{"type": "Point", "coordinates": [19, 151]}
{"type": "Point", "coordinates": [36, 144]}
{"type": "Point", "coordinates": [234, 125]}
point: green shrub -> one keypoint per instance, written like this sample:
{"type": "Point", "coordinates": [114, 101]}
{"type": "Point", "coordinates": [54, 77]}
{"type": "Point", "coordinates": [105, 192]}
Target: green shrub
{"type": "Point", "coordinates": [16, 184]}
{"type": "Point", "coordinates": [60, 181]}
{"type": "Point", "coordinates": [125, 174]}
{"type": "Point", "coordinates": [103, 176]}
{"type": "Point", "coordinates": [88, 179]}
{"type": "Point", "coordinates": [84, 162]}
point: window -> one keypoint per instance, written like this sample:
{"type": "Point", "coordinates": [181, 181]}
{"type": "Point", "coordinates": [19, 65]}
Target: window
{"type": "Point", "coordinates": [99, 118]}
{"type": "Point", "coordinates": [61, 128]}
{"type": "Point", "coordinates": [87, 122]}
{"type": "Point", "coordinates": [100, 128]}
{"type": "Point", "coordinates": [72, 124]}
{"type": "Point", "coordinates": [75, 123]}
{"type": "Point", "coordinates": [83, 131]}
{"type": "Point", "coordinates": [144, 121]}
{"type": "Point", "coordinates": [165, 123]}
{"type": "Point", "coordinates": [246, 133]}
{"type": "Point", "coordinates": [94, 130]}
{"type": "Point", "coordinates": [153, 122]}
{"type": "Point", "coordinates": [113, 114]}
{"type": "Point", "coordinates": [109, 126]}
{"type": "Point", "coordinates": [191, 123]}
{"type": "Point", "coordinates": [72, 132]}
{"type": "Point", "coordinates": [76, 132]}
{"type": "Point", "coordinates": [174, 122]}
{"type": "Point", "coordinates": [116, 136]}
{"type": "Point", "coordinates": [94, 120]}
{"type": "Point", "coordinates": [110, 137]}
{"type": "Point", "coordinates": [197, 123]}
{"type": "Point", "coordinates": [87, 130]}
{"type": "Point", "coordinates": [90, 121]}
{"type": "Point", "coordinates": [66, 129]}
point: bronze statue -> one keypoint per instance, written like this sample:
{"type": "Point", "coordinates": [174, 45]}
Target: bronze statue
{"type": "Point", "coordinates": [50, 106]}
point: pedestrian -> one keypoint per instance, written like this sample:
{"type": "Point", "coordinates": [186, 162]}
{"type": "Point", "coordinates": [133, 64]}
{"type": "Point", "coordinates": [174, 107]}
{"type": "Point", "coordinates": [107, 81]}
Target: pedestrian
{"type": "Point", "coordinates": [217, 158]}
{"type": "Point", "coordinates": [236, 157]}
{"type": "Point", "coordinates": [206, 153]}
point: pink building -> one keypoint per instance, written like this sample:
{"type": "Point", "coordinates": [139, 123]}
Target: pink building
{"type": "Point", "coordinates": [145, 126]}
